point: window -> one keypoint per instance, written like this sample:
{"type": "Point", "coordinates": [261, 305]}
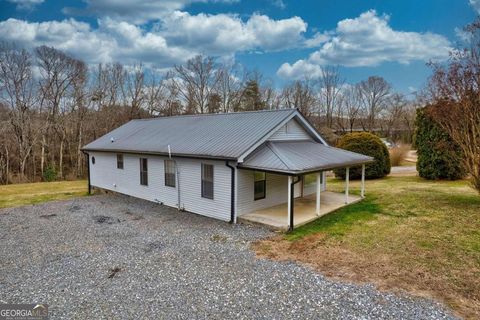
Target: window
{"type": "Point", "coordinates": [260, 185]}
{"type": "Point", "coordinates": [207, 181]}
{"type": "Point", "coordinates": [143, 172]}
{"type": "Point", "coordinates": [169, 173]}
{"type": "Point", "coordinates": [93, 160]}
{"type": "Point", "coordinates": [119, 161]}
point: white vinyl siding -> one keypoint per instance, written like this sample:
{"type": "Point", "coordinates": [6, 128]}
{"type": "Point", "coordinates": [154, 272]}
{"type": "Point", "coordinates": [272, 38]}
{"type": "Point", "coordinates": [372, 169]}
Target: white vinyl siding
{"type": "Point", "coordinates": [276, 191]}
{"type": "Point", "coordinates": [292, 130]}
{"type": "Point", "coordinates": [104, 174]}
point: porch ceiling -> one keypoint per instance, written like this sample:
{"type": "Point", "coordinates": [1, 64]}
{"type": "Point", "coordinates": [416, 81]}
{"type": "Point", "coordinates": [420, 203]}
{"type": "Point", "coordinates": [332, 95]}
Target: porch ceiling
{"type": "Point", "coordinates": [300, 157]}
{"type": "Point", "coordinates": [276, 217]}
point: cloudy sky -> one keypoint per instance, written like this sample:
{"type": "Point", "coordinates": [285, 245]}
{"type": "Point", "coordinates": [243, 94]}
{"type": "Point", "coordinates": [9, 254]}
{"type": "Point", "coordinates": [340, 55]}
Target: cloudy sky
{"type": "Point", "coordinates": [283, 39]}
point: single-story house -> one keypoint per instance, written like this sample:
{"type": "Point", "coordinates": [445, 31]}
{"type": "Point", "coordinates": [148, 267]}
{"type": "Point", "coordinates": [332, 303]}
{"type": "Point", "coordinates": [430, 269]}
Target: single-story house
{"type": "Point", "coordinates": [256, 166]}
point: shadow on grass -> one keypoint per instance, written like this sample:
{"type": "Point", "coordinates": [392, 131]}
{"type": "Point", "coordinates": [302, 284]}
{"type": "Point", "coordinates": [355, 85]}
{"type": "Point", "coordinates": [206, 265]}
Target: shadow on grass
{"type": "Point", "coordinates": [339, 222]}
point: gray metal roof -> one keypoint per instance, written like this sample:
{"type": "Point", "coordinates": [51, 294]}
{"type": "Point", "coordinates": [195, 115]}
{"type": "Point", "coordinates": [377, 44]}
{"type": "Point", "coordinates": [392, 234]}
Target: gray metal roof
{"type": "Point", "coordinates": [297, 157]}
{"type": "Point", "coordinates": [225, 136]}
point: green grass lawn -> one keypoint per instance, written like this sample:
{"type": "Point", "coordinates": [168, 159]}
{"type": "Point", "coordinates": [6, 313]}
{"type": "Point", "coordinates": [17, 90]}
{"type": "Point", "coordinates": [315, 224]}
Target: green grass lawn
{"type": "Point", "coordinates": [411, 234]}
{"type": "Point", "coordinates": [14, 195]}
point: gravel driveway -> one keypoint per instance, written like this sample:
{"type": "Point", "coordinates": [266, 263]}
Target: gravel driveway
{"type": "Point", "coordinates": [116, 257]}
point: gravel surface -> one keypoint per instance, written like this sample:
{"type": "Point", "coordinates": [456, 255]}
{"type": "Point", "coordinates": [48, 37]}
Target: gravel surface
{"type": "Point", "coordinates": [116, 257]}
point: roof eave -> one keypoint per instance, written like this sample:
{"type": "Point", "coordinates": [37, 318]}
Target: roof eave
{"type": "Point", "coordinates": [178, 155]}
{"type": "Point", "coordinates": [306, 171]}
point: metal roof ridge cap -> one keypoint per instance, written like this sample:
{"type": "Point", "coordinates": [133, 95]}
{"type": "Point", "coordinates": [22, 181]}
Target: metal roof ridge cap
{"type": "Point", "coordinates": [214, 114]}
{"type": "Point", "coordinates": [275, 150]}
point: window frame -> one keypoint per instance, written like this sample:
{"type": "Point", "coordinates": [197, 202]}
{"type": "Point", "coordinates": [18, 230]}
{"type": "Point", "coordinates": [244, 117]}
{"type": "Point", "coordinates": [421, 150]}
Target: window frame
{"type": "Point", "coordinates": [120, 163]}
{"type": "Point", "coordinates": [204, 183]}
{"type": "Point", "coordinates": [168, 175]}
{"type": "Point", "coordinates": [263, 182]}
{"type": "Point", "coordinates": [144, 172]}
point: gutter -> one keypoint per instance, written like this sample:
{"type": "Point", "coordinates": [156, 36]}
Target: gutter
{"type": "Point", "coordinates": [232, 196]}
{"type": "Point", "coordinates": [292, 201]}
{"type": "Point", "coordinates": [154, 153]}
{"type": "Point", "coordinates": [303, 172]}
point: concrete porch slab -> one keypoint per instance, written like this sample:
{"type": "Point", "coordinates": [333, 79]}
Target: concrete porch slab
{"type": "Point", "coordinates": [276, 217]}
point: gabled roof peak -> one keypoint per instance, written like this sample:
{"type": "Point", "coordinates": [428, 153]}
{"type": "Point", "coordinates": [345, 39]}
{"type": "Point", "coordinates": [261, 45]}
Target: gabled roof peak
{"type": "Point", "coordinates": [286, 110]}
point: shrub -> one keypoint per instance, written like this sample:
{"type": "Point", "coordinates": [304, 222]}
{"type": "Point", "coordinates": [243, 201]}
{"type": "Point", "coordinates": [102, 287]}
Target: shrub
{"type": "Point", "coordinates": [50, 174]}
{"type": "Point", "coordinates": [398, 154]}
{"type": "Point", "coordinates": [369, 145]}
{"type": "Point", "coordinates": [438, 156]}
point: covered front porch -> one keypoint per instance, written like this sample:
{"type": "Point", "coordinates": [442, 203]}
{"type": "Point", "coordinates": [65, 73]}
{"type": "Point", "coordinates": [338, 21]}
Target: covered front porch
{"type": "Point", "coordinates": [276, 217]}
{"type": "Point", "coordinates": [300, 196]}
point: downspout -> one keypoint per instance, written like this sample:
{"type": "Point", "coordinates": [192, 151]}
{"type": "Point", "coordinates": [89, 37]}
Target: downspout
{"type": "Point", "coordinates": [178, 184]}
{"type": "Point", "coordinates": [177, 175]}
{"type": "Point", "coordinates": [232, 196]}
{"type": "Point", "coordinates": [292, 201]}
{"type": "Point", "coordinates": [88, 172]}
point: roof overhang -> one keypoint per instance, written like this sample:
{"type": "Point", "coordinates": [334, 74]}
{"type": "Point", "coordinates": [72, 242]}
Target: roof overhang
{"type": "Point", "coordinates": [301, 157]}
{"type": "Point", "coordinates": [153, 153]}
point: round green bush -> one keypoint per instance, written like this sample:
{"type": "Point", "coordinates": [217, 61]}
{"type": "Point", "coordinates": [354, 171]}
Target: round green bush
{"type": "Point", "coordinates": [370, 145]}
{"type": "Point", "coordinates": [439, 157]}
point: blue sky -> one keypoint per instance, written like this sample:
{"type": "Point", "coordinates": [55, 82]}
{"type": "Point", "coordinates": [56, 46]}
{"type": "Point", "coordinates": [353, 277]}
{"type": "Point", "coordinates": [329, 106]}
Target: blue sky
{"type": "Point", "coordinates": [285, 40]}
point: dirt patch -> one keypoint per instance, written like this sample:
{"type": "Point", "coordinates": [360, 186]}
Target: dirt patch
{"type": "Point", "coordinates": [133, 216]}
{"type": "Point", "coordinates": [74, 208]}
{"type": "Point", "coordinates": [153, 246]}
{"type": "Point", "coordinates": [218, 238]}
{"type": "Point", "coordinates": [48, 216]}
{"type": "Point", "coordinates": [106, 220]}
{"type": "Point", "coordinates": [113, 272]}
{"type": "Point", "coordinates": [387, 272]}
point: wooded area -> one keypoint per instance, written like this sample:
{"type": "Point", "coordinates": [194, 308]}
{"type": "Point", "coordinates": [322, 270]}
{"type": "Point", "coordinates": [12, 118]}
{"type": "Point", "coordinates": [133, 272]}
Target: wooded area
{"type": "Point", "coordinates": [52, 104]}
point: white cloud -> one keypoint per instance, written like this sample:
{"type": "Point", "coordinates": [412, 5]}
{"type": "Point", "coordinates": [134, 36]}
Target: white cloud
{"type": "Point", "coordinates": [135, 11]}
{"type": "Point", "coordinates": [222, 34]}
{"type": "Point", "coordinates": [113, 41]}
{"type": "Point", "coordinates": [299, 70]}
{"type": "Point", "coordinates": [317, 39]}
{"type": "Point", "coordinates": [174, 40]}
{"type": "Point", "coordinates": [368, 40]}
{"type": "Point", "coordinates": [279, 3]}
{"type": "Point", "coordinates": [475, 4]}
{"type": "Point", "coordinates": [25, 4]}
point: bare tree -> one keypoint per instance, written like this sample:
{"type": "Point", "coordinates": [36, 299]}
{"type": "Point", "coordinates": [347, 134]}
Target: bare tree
{"type": "Point", "coordinates": [17, 86]}
{"type": "Point", "coordinates": [134, 94]}
{"type": "Point", "coordinates": [330, 84]}
{"type": "Point", "coordinates": [394, 112]}
{"type": "Point", "coordinates": [348, 108]}
{"type": "Point", "coordinates": [195, 81]}
{"type": "Point", "coordinates": [57, 74]}
{"type": "Point", "coordinates": [300, 94]}
{"type": "Point", "coordinates": [228, 88]}
{"type": "Point", "coordinates": [374, 93]}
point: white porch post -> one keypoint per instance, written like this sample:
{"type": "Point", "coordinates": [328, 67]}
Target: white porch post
{"type": "Point", "coordinates": [289, 199]}
{"type": "Point", "coordinates": [347, 181]}
{"type": "Point", "coordinates": [362, 192]}
{"type": "Point", "coordinates": [319, 188]}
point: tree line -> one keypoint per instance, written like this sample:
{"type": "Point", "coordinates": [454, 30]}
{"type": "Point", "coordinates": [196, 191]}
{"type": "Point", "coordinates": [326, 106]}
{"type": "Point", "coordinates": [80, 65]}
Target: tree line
{"type": "Point", "coordinates": [51, 104]}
